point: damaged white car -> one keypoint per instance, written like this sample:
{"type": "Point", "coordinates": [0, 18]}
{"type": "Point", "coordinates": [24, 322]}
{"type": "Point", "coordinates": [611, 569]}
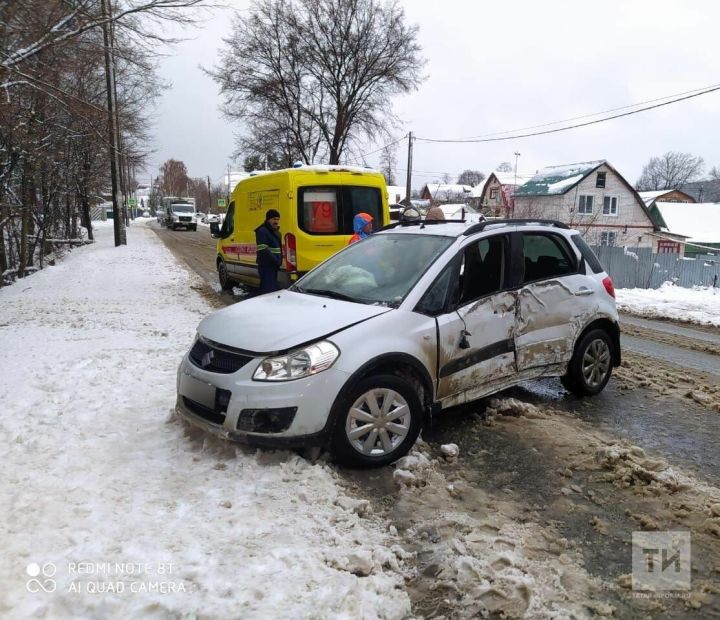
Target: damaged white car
{"type": "Point", "coordinates": [412, 320]}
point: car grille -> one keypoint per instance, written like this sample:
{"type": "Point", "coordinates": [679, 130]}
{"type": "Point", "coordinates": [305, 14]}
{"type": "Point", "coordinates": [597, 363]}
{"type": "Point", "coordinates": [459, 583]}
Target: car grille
{"type": "Point", "coordinates": [204, 412]}
{"type": "Point", "coordinates": [184, 218]}
{"type": "Point", "coordinates": [212, 359]}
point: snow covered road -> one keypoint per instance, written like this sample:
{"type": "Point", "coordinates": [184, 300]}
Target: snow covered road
{"type": "Point", "coordinates": [110, 508]}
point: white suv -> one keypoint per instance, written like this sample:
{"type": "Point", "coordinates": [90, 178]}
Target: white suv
{"type": "Point", "coordinates": [391, 330]}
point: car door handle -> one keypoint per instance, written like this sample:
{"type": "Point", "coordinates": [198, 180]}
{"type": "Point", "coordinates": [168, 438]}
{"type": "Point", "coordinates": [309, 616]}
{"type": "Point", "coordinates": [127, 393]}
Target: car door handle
{"type": "Point", "coordinates": [584, 291]}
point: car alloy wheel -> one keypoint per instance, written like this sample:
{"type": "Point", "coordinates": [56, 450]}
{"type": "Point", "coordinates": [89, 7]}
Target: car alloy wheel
{"type": "Point", "coordinates": [378, 422]}
{"type": "Point", "coordinates": [591, 365]}
{"type": "Point", "coordinates": [596, 363]}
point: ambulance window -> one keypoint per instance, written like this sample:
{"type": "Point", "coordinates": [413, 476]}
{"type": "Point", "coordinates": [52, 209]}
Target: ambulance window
{"type": "Point", "coordinates": [361, 200]}
{"type": "Point", "coordinates": [320, 210]}
{"type": "Point", "coordinates": [329, 210]}
{"type": "Point", "coordinates": [227, 225]}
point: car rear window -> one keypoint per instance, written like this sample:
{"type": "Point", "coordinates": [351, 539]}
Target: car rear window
{"type": "Point", "coordinates": [587, 253]}
{"type": "Point", "coordinates": [329, 210]}
{"type": "Point", "coordinates": [546, 256]}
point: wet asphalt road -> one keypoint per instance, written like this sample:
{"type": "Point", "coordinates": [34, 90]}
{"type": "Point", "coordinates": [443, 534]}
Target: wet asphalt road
{"type": "Point", "coordinates": [684, 358]}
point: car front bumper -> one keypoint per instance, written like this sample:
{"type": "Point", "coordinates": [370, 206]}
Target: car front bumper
{"type": "Point", "coordinates": [202, 396]}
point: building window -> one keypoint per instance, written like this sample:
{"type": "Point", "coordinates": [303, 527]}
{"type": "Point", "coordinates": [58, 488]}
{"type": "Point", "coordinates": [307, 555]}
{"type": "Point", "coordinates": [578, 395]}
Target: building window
{"type": "Point", "coordinates": [607, 238]}
{"type": "Point", "coordinates": [610, 205]}
{"type": "Point", "coordinates": [493, 193]}
{"type": "Point", "coordinates": [585, 205]}
{"type": "Point", "coordinates": [600, 180]}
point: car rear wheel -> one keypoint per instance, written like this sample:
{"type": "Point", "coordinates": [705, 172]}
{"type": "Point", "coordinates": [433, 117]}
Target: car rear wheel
{"type": "Point", "coordinates": [226, 284]}
{"type": "Point", "coordinates": [591, 364]}
{"type": "Point", "coordinates": [376, 422]}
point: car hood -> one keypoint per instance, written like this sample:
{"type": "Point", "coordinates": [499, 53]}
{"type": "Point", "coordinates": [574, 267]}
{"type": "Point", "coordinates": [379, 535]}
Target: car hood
{"type": "Point", "coordinates": [280, 321]}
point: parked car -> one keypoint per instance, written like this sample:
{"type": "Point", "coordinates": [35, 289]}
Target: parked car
{"type": "Point", "coordinates": [361, 351]}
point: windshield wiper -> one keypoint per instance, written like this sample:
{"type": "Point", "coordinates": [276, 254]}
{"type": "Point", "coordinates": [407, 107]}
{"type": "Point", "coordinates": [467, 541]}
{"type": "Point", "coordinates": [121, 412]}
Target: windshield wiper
{"type": "Point", "coordinates": [328, 293]}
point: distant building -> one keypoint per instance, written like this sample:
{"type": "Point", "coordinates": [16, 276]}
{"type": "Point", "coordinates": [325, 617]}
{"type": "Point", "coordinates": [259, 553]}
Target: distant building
{"type": "Point", "coordinates": [494, 196]}
{"type": "Point", "coordinates": [443, 193]}
{"type": "Point", "coordinates": [689, 226]}
{"type": "Point", "coordinates": [665, 195]}
{"type": "Point", "coordinates": [396, 194]}
{"type": "Point", "coordinates": [591, 197]}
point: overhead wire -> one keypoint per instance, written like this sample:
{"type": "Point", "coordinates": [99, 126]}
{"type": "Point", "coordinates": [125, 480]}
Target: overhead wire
{"type": "Point", "coordinates": [549, 131]}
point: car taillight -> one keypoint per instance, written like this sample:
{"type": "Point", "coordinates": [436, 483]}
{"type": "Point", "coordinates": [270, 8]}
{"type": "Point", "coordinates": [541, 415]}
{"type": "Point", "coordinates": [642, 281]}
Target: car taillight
{"type": "Point", "coordinates": [290, 252]}
{"type": "Point", "coordinates": [609, 286]}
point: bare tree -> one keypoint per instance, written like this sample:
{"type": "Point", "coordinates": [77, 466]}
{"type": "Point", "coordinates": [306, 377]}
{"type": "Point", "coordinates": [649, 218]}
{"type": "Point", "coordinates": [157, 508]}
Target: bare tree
{"type": "Point", "coordinates": [54, 153]}
{"type": "Point", "coordinates": [714, 173]}
{"type": "Point", "coordinates": [388, 163]}
{"type": "Point", "coordinates": [504, 166]}
{"type": "Point", "coordinates": [671, 170]}
{"type": "Point", "coordinates": [173, 179]}
{"type": "Point", "coordinates": [470, 177]}
{"type": "Point", "coordinates": [313, 76]}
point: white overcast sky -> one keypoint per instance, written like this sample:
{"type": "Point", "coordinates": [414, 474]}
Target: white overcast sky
{"type": "Point", "coordinates": [497, 66]}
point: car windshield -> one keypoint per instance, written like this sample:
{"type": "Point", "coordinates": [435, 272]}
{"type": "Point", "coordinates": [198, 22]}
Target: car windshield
{"type": "Point", "coordinates": [382, 269]}
{"type": "Point", "coordinates": [183, 208]}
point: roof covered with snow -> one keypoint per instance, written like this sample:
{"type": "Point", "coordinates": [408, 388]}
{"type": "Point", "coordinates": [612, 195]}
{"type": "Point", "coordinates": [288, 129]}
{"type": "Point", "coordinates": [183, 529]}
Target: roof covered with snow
{"type": "Point", "coordinates": [477, 191]}
{"type": "Point", "coordinates": [394, 191]}
{"type": "Point", "coordinates": [556, 180]}
{"type": "Point", "coordinates": [652, 196]}
{"type": "Point", "coordinates": [700, 221]}
{"type": "Point", "coordinates": [448, 191]}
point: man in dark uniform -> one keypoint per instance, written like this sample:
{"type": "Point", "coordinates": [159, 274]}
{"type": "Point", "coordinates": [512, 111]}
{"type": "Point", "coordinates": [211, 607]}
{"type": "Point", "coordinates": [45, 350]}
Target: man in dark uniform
{"type": "Point", "coordinates": [269, 252]}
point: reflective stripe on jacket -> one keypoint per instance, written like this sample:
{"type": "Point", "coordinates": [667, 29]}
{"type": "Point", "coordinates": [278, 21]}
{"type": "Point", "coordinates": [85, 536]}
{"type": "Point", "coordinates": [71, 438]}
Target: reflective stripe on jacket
{"type": "Point", "coordinates": [269, 252]}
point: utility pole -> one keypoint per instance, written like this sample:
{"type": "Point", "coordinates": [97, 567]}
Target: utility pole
{"type": "Point", "coordinates": [512, 208]}
{"type": "Point", "coordinates": [409, 170]}
{"type": "Point", "coordinates": [209, 197]}
{"type": "Point", "coordinates": [118, 221]}
{"type": "Point", "coordinates": [229, 189]}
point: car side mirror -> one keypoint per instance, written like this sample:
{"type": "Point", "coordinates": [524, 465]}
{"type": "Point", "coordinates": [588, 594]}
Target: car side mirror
{"type": "Point", "coordinates": [214, 229]}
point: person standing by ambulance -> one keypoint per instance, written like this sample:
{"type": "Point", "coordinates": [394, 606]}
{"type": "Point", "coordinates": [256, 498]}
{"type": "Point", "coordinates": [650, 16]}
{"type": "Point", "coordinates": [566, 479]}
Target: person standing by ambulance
{"type": "Point", "coordinates": [269, 252]}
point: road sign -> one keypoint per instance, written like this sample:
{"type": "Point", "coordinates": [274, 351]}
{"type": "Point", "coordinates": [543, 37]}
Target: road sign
{"type": "Point", "coordinates": [221, 202]}
{"type": "Point", "coordinates": [132, 202]}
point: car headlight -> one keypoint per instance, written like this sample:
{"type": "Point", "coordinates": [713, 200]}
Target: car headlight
{"type": "Point", "coordinates": [297, 364]}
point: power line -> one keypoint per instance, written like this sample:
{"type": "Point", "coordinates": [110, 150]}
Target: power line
{"type": "Point", "coordinates": [576, 118]}
{"type": "Point", "coordinates": [361, 156]}
{"type": "Point", "coordinates": [595, 122]}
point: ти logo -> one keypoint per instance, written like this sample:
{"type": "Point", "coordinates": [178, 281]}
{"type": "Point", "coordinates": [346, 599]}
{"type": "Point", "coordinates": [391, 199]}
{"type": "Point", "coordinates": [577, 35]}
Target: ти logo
{"type": "Point", "coordinates": [45, 584]}
{"type": "Point", "coordinates": [661, 561]}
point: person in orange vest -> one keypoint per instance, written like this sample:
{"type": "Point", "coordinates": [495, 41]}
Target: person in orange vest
{"type": "Point", "coordinates": [362, 227]}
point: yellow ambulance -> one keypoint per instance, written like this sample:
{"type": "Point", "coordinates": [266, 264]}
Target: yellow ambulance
{"type": "Point", "coordinates": [317, 205]}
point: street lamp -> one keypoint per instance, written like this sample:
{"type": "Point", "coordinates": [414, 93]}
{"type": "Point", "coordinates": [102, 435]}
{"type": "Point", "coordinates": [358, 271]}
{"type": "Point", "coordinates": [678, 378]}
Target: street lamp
{"type": "Point", "coordinates": [516, 158]}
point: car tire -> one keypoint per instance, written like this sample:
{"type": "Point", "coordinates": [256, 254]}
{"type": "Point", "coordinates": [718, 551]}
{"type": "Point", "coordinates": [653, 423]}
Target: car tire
{"type": "Point", "coordinates": [364, 439]}
{"type": "Point", "coordinates": [591, 365]}
{"type": "Point", "coordinates": [226, 284]}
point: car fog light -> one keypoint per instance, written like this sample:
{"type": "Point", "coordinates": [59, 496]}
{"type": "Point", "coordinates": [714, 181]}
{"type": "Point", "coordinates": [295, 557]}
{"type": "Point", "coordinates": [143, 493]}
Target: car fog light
{"type": "Point", "coordinates": [266, 420]}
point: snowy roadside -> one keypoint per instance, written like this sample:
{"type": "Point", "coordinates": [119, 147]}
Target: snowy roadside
{"type": "Point", "coordinates": [109, 508]}
{"type": "Point", "coordinates": [699, 305]}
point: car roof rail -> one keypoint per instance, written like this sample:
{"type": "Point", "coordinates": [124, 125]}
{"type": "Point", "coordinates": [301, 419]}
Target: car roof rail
{"type": "Point", "coordinates": [480, 226]}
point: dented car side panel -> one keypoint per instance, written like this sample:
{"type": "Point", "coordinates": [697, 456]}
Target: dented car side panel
{"type": "Point", "coordinates": [486, 354]}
